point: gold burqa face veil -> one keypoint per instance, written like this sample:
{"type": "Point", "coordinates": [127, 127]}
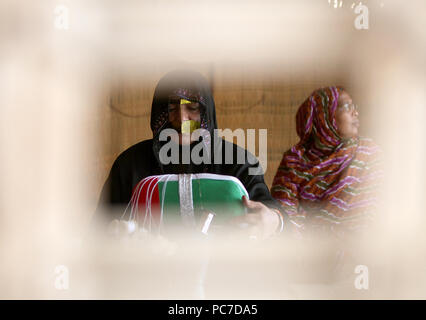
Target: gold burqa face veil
{"type": "Point", "coordinates": [188, 126]}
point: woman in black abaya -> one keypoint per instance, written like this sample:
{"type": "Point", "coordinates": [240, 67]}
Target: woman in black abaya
{"type": "Point", "coordinates": [142, 159]}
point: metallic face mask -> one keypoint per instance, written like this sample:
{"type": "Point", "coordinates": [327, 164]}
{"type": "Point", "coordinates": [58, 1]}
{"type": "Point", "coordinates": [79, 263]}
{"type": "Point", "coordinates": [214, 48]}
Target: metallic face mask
{"type": "Point", "coordinates": [189, 126]}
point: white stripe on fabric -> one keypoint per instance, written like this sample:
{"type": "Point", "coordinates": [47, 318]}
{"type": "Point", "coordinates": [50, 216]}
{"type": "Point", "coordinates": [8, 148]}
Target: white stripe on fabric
{"type": "Point", "coordinates": [185, 200]}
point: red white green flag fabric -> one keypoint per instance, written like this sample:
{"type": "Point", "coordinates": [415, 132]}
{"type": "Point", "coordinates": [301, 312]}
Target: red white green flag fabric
{"type": "Point", "coordinates": [184, 198]}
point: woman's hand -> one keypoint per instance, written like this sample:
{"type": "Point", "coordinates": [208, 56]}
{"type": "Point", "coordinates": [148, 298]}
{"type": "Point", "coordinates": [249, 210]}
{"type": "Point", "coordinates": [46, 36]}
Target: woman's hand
{"type": "Point", "coordinates": [260, 222]}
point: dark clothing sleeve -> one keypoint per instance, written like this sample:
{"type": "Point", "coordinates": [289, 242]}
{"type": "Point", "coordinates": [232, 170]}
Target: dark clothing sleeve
{"type": "Point", "coordinates": [128, 169]}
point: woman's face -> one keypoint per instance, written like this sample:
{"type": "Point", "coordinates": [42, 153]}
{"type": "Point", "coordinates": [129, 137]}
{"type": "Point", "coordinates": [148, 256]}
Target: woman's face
{"type": "Point", "coordinates": [178, 113]}
{"type": "Point", "coordinates": [346, 117]}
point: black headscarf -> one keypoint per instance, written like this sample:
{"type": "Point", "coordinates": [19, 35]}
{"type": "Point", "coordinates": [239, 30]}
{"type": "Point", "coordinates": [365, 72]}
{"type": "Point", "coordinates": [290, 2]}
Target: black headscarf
{"type": "Point", "coordinates": [192, 86]}
{"type": "Point", "coordinates": [188, 85]}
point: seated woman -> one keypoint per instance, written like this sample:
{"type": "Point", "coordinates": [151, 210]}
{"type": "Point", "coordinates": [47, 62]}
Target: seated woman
{"type": "Point", "coordinates": [183, 101]}
{"type": "Point", "coordinates": [327, 181]}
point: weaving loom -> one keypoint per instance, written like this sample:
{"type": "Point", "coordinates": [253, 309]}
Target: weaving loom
{"type": "Point", "coordinates": [188, 199]}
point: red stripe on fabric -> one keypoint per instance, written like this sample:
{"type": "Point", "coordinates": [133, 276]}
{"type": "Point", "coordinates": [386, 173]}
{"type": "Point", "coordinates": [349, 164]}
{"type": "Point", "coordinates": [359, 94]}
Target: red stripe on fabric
{"type": "Point", "coordinates": [149, 197]}
{"type": "Point", "coordinates": [142, 191]}
{"type": "Point", "coordinates": [155, 206]}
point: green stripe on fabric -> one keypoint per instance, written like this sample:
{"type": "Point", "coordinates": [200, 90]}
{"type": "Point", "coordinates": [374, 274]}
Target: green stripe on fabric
{"type": "Point", "coordinates": [318, 143]}
{"type": "Point", "coordinates": [221, 197]}
{"type": "Point", "coordinates": [326, 215]}
{"type": "Point", "coordinates": [284, 189]}
{"type": "Point", "coordinates": [358, 191]}
{"type": "Point", "coordinates": [325, 108]}
{"type": "Point", "coordinates": [323, 185]}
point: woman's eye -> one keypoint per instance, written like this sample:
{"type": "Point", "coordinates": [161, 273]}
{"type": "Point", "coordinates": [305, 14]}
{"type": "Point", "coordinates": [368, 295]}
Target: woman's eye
{"type": "Point", "coordinates": [344, 107]}
{"type": "Point", "coordinates": [193, 107]}
{"type": "Point", "coordinates": [174, 101]}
